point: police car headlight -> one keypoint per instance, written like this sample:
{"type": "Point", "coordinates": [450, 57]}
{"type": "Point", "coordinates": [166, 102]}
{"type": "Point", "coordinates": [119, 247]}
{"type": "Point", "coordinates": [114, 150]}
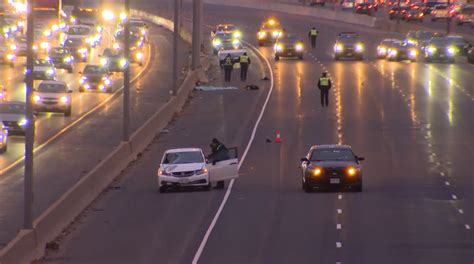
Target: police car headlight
{"type": "Point", "coordinates": [338, 48]}
{"type": "Point", "coordinates": [279, 47]}
{"type": "Point", "coordinates": [412, 53]}
{"type": "Point", "coordinates": [299, 47]}
{"type": "Point", "coordinates": [235, 42]}
{"type": "Point", "coordinates": [102, 87]}
{"type": "Point", "coordinates": [50, 72]}
{"type": "Point", "coordinates": [116, 46]}
{"type": "Point", "coordinates": [262, 34]}
{"type": "Point", "coordinates": [2, 95]}
{"type": "Point", "coordinates": [73, 20]}
{"type": "Point", "coordinates": [6, 30]}
{"type": "Point", "coordinates": [123, 16]}
{"type": "Point", "coordinates": [83, 80]}
{"type": "Point", "coordinates": [62, 26]}
{"type": "Point", "coordinates": [107, 81]}
{"type": "Point", "coordinates": [392, 52]}
{"type": "Point", "coordinates": [82, 50]}
{"type": "Point", "coordinates": [23, 122]}
{"type": "Point", "coordinates": [382, 51]}
{"type": "Point", "coordinates": [104, 61]}
{"type": "Point", "coordinates": [13, 47]}
{"type": "Point", "coordinates": [55, 28]}
{"type": "Point", "coordinates": [64, 99]}
{"type": "Point", "coordinates": [47, 33]}
{"type": "Point", "coordinates": [14, 28]}
{"type": "Point", "coordinates": [451, 51]}
{"type": "Point", "coordinates": [100, 29]}
{"type": "Point", "coordinates": [10, 57]}
{"type": "Point", "coordinates": [237, 34]}
{"type": "Point", "coordinates": [87, 86]}
{"type": "Point", "coordinates": [275, 33]}
{"type": "Point", "coordinates": [216, 43]}
{"type": "Point", "coordinates": [431, 49]}
{"type": "Point", "coordinates": [143, 31]}
{"type": "Point", "coordinates": [37, 98]}
{"type": "Point", "coordinates": [88, 40]}
{"type": "Point", "coordinates": [139, 56]}
{"type": "Point", "coordinates": [359, 47]}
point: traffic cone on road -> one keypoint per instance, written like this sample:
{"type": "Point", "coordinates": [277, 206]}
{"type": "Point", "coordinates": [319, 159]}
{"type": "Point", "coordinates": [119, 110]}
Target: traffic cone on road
{"type": "Point", "coordinates": [278, 137]}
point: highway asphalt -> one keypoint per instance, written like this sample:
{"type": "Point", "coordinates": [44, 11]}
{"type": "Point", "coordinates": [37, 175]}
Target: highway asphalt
{"type": "Point", "coordinates": [77, 144]}
{"type": "Point", "coordinates": [411, 121]}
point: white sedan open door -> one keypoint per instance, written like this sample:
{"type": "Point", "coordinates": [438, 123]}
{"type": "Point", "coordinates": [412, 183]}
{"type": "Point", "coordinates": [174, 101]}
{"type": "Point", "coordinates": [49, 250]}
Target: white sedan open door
{"type": "Point", "coordinates": [225, 169]}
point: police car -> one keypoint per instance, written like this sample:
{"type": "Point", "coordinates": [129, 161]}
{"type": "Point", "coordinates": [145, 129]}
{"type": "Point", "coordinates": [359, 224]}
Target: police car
{"type": "Point", "coordinates": [349, 45]}
{"type": "Point", "coordinates": [269, 32]}
{"type": "Point", "coordinates": [288, 46]}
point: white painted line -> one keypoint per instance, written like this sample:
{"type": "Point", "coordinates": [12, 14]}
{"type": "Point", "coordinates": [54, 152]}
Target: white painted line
{"type": "Point", "coordinates": [461, 211]}
{"type": "Point", "coordinates": [339, 197]}
{"type": "Point", "coordinates": [339, 226]}
{"type": "Point", "coordinates": [442, 174]}
{"type": "Point", "coordinates": [339, 211]}
{"type": "Point", "coordinates": [447, 183]}
{"type": "Point", "coordinates": [454, 197]}
{"type": "Point", "coordinates": [199, 251]}
{"type": "Point", "coordinates": [468, 227]}
{"type": "Point", "coordinates": [338, 244]}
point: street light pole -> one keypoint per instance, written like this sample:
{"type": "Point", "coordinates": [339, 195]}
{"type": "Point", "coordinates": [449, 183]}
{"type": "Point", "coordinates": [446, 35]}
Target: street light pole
{"type": "Point", "coordinates": [197, 19]}
{"type": "Point", "coordinates": [30, 125]}
{"type": "Point", "coordinates": [126, 75]}
{"type": "Point", "coordinates": [176, 31]}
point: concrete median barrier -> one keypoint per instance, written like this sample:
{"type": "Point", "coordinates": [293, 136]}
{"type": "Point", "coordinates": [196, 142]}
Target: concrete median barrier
{"type": "Point", "coordinates": [326, 14]}
{"type": "Point", "coordinates": [29, 245]}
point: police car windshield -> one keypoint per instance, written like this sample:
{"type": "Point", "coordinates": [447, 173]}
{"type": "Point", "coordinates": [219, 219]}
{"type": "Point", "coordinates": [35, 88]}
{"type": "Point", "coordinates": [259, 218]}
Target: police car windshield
{"type": "Point", "coordinates": [74, 42]}
{"type": "Point", "coordinates": [224, 36]}
{"type": "Point", "coordinates": [12, 108]}
{"type": "Point", "coordinates": [87, 14]}
{"type": "Point", "coordinates": [288, 39]}
{"type": "Point", "coordinates": [52, 87]}
{"type": "Point", "coordinates": [58, 51]}
{"type": "Point", "coordinates": [229, 46]}
{"type": "Point", "coordinates": [456, 39]}
{"type": "Point", "coordinates": [440, 41]}
{"type": "Point", "coordinates": [183, 157]}
{"type": "Point", "coordinates": [329, 154]}
{"type": "Point", "coordinates": [425, 35]}
{"type": "Point", "coordinates": [42, 62]}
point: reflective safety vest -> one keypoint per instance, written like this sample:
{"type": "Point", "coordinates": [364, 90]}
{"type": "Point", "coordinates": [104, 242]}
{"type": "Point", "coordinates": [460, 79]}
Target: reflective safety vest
{"type": "Point", "coordinates": [313, 32]}
{"type": "Point", "coordinates": [324, 81]}
{"type": "Point", "coordinates": [244, 59]}
{"type": "Point", "coordinates": [228, 61]}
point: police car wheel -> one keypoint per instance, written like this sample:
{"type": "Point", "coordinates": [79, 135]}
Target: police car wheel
{"type": "Point", "coordinates": [277, 58]}
{"type": "Point", "coordinates": [69, 70]}
{"type": "Point", "coordinates": [300, 57]}
{"type": "Point", "coordinates": [162, 189]}
{"type": "Point", "coordinates": [306, 187]}
{"type": "Point", "coordinates": [68, 112]}
{"type": "Point", "coordinates": [357, 188]}
{"type": "Point", "coordinates": [3, 150]}
{"type": "Point", "coordinates": [81, 89]}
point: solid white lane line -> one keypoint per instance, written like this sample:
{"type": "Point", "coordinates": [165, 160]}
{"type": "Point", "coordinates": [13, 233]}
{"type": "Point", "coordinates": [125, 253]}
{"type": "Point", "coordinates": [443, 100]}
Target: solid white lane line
{"type": "Point", "coordinates": [339, 197]}
{"type": "Point", "coordinates": [468, 227]}
{"type": "Point", "coordinates": [339, 211]}
{"type": "Point", "coordinates": [199, 251]}
{"type": "Point", "coordinates": [454, 197]}
{"type": "Point", "coordinates": [447, 183]}
{"type": "Point", "coordinates": [461, 211]}
{"type": "Point", "coordinates": [338, 245]}
{"type": "Point", "coordinates": [339, 226]}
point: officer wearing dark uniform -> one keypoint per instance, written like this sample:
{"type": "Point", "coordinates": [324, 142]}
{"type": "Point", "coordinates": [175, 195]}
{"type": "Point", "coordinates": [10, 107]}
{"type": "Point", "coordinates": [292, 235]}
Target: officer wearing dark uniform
{"type": "Point", "coordinates": [219, 152]}
{"type": "Point", "coordinates": [244, 66]}
{"type": "Point", "coordinates": [228, 66]}
{"type": "Point", "coordinates": [313, 34]}
{"type": "Point", "coordinates": [324, 85]}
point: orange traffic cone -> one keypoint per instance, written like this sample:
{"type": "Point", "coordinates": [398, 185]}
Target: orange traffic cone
{"type": "Point", "coordinates": [278, 137]}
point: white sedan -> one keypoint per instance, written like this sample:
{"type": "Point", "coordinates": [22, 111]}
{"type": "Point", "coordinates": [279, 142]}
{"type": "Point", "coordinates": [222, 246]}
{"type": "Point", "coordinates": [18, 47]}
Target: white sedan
{"type": "Point", "coordinates": [3, 138]}
{"type": "Point", "coordinates": [188, 167]}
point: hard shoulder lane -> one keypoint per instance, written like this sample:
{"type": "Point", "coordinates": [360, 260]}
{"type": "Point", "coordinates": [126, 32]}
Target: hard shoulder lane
{"type": "Point", "coordinates": [62, 163]}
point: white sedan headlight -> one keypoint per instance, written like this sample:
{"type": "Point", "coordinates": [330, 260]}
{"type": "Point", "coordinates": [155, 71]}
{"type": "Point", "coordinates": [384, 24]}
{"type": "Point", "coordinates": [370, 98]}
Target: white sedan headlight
{"type": "Point", "coordinates": [36, 98]}
{"type": "Point", "coordinates": [23, 122]}
{"type": "Point", "coordinates": [299, 47]}
{"type": "Point", "coordinates": [50, 72]}
{"type": "Point", "coordinates": [104, 61]}
{"type": "Point", "coordinates": [64, 99]}
{"type": "Point", "coordinates": [338, 48]}
{"type": "Point", "coordinates": [139, 56]}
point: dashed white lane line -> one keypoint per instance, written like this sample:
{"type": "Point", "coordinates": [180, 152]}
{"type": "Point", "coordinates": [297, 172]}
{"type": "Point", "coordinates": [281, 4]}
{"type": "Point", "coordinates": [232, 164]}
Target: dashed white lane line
{"type": "Point", "coordinates": [442, 174]}
{"type": "Point", "coordinates": [339, 197]}
{"type": "Point", "coordinates": [338, 226]}
{"type": "Point", "coordinates": [461, 211]}
{"type": "Point", "coordinates": [338, 245]}
{"type": "Point", "coordinates": [447, 183]}
{"type": "Point", "coordinates": [454, 197]}
{"type": "Point", "coordinates": [339, 211]}
{"type": "Point", "coordinates": [468, 227]}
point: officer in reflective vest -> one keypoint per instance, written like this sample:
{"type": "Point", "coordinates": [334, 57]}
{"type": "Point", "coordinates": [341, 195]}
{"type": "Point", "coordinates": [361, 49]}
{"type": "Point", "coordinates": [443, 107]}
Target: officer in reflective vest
{"type": "Point", "coordinates": [313, 34]}
{"type": "Point", "coordinates": [228, 66]}
{"type": "Point", "coordinates": [244, 66]}
{"type": "Point", "coordinates": [324, 85]}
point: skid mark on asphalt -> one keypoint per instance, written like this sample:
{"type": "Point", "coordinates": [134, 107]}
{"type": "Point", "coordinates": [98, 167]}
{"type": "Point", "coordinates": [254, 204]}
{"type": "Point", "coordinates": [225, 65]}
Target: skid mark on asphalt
{"type": "Point", "coordinates": [426, 129]}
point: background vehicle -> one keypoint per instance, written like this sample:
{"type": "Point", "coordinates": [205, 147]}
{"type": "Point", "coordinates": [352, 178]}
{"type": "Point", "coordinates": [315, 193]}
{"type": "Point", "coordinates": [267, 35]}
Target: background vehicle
{"type": "Point", "coordinates": [349, 45]}
{"type": "Point", "coordinates": [13, 116]}
{"type": "Point", "coordinates": [400, 51]}
{"type": "Point", "coordinates": [328, 166]}
{"type": "Point", "coordinates": [78, 48]}
{"type": "Point", "coordinates": [347, 4]}
{"type": "Point", "coordinates": [3, 138]}
{"type": "Point", "coordinates": [383, 46]}
{"type": "Point", "coordinates": [470, 55]}
{"type": "Point", "coordinates": [52, 96]}
{"type": "Point", "coordinates": [235, 50]}
{"type": "Point", "coordinates": [439, 12]}
{"type": "Point", "coordinates": [3, 93]}
{"type": "Point", "coordinates": [269, 32]}
{"type": "Point", "coordinates": [220, 38]}
{"type": "Point", "coordinates": [317, 2]}
{"type": "Point", "coordinates": [413, 15]}
{"type": "Point", "coordinates": [113, 61]}
{"type": "Point", "coordinates": [460, 43]}
{"type": "Point", "coordinates": [187, 167]}
{"type": "Point", "coordinates": [61, 58]}
{"type": "Point", "coordinates": [43, 69]}
{"type": "Point", "coordinates": [288, 46]}
{"type": "Point", "coordinates": [464, 16]}
{"type": "Point", "coordinates": [365, 8]}
{"type": "Point", "coordinates": [397, 12]}
{"type": "Point", "coordinates": [7, 56]}
{"type": "Point", "coordinates": [86, 16]}
{"type": "Point", "coordinates": [430, 4]}
{"type": "Point", "coordinates": [95, 77]}
{"type": "Point", "coordinates": [420, 38]}
{"type": "Point", "coordinates": [83, 32]}
{"type": "Point", "coordinates": [440, 49]}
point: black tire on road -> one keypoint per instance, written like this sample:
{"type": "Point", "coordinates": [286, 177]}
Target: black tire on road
{"type": "Point", "coordinates": [162, 189]}
{"type": "Point", "coordinates": [68, 112]}
{"type": "Point", "coordinates": [277, 58]}
{"type": "Point", "coordinates": [220, 185]}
